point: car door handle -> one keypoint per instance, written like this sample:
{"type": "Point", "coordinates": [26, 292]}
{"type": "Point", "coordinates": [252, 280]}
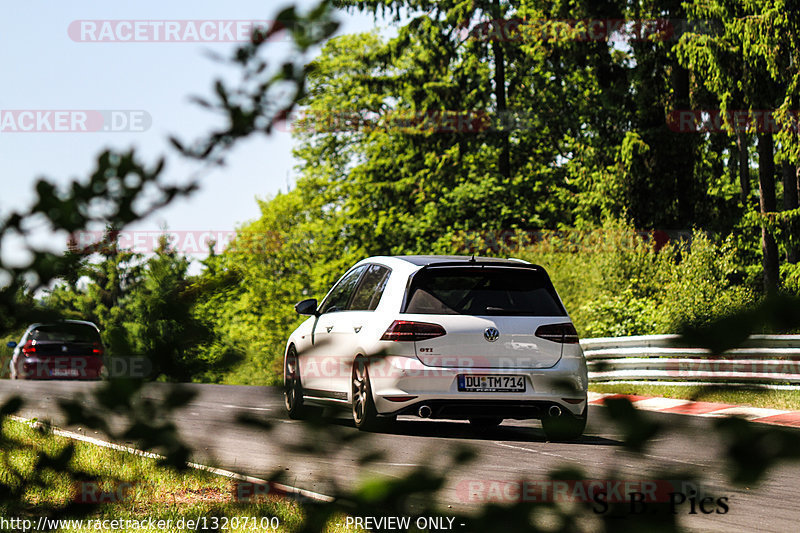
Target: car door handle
{"type": "Point", "coordinates": [356, 328]}
{"type": "Point", "coordinates": [328, 328]}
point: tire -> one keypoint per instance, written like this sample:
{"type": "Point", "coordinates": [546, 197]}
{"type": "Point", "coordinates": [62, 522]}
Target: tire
{"type": "Point", "coordinates": [485, 423]}
{"type": "Point", "coordinates": [564, 427]}
{"type": "Point", "coordinates": [293, 388]}
{"type": "Point", "coordinates": [365, 415]}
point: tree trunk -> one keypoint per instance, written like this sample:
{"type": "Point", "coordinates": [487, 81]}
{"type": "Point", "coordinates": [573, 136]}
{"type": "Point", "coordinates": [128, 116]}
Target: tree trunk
{"type": "Point", "coordinates": [684, 146]}
{"type": "Point", "coordinates": [744, 166]}
{"type": "Point", "coordinates": [504, 161]}
{"type": "Point", "coordinates": [766, 189]}
{"type": "Point", "coordinates": [790, 202]}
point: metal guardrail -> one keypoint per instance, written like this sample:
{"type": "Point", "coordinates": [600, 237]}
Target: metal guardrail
{"type": "Point", "coordinates": [763, 359]}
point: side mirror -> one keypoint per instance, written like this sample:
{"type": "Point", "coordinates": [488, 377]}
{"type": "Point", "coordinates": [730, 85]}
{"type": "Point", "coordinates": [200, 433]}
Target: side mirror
{"type": "Point", "coordinates": [307, 307]}
{"type": "Point", "coordinates": [11, 344]}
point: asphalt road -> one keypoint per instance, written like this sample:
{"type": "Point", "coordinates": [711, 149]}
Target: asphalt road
{"type": "Point", "coordinates": [515, 451]}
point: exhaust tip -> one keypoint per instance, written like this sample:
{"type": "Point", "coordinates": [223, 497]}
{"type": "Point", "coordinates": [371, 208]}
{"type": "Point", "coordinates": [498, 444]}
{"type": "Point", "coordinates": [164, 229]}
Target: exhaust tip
{"type": "Point", "coordinates": [554, 411]}
{"type": "Point", "coordinates": [425, 412]}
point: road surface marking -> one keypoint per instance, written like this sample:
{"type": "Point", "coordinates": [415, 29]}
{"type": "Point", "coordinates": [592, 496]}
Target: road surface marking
{"type": "Point", "coordinates": [230, 406]}
{"type": "Point", "coordinates": [503, 444]}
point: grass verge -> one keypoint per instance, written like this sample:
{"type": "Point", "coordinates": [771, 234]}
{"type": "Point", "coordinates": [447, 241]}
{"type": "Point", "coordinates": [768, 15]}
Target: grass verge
{"type": "Point", "coordinates": [772, 399]}
{"type": "Point", "coordinates": [117, 485]}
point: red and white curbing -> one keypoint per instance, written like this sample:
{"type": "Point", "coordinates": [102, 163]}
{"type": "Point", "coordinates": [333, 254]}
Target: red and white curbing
{"type": "Point", "coordinates": [775, 417]}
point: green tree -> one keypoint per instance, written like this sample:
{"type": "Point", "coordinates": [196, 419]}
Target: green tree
{"type": "Point", "coordinates": [749, 61]}
{"type": "Point", "coordinates": [247, 293]}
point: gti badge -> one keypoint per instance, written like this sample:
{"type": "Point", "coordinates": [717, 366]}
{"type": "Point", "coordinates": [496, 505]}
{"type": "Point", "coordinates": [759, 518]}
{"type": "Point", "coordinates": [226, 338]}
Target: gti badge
{"type": "Point", "coordinates": [491, 334]}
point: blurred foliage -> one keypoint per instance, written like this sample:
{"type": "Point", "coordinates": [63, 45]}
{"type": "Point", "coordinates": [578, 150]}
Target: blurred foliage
{"type": "Point", "coordinates": [145, 307]}
{"type": "Point", "coordinates": [617, 282]}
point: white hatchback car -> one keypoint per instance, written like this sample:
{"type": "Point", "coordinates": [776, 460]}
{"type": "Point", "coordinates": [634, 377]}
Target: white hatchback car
{"type": "Point", "coordinates": [447, 337]}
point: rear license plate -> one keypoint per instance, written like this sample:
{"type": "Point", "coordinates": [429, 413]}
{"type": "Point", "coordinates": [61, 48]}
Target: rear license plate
{"type": "Point", "coordinates": [478, 383]}
{"type": "Point", "coordinates": [65, 372]}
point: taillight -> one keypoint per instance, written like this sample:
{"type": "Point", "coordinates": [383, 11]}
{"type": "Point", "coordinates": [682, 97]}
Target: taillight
{"type": "Point", "coordinates": [563, 333]}
{"type": "Point", "coordinates": [406, 330]}
{"type": "Point", "coordinates": [29, 348]}
{"type": "Point", "coordinates": [97, 349]}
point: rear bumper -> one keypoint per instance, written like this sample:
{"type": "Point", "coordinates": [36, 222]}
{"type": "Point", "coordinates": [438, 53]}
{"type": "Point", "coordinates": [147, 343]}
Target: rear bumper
{"type": "Point", "coordinates": [462, 409]}
{"type": "Point", "coordinates": [404, 388]}
{"type": "Point", "coordinates": [71, 367]}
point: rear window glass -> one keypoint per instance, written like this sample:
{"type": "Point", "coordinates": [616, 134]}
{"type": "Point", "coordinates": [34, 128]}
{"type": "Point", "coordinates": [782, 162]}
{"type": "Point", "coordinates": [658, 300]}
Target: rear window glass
{"type": "Point", "coordinates": [496, 291]}
{"type": "Point", "coordinates": [65, 333]}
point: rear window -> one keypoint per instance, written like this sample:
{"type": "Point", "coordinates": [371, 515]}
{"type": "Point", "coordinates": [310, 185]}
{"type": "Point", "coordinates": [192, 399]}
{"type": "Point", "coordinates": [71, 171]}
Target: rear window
{"type": "Point", "coordinates": [65, 333]}
{"type": "Point", "coordinates": [479, 291]}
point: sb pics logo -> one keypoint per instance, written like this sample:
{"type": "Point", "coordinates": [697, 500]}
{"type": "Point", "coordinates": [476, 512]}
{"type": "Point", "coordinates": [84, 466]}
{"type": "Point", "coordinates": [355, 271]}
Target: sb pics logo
{"type": "Point", "coordinates": [690, 502]}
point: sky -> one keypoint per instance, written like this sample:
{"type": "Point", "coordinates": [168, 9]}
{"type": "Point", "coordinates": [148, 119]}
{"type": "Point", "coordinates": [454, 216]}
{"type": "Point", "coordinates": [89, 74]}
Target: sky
{"type": "Point", "coordinates": [47, 65]}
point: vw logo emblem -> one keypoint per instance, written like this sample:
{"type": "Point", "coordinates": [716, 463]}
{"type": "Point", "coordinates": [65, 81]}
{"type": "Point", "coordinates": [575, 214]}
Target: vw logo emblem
{"type": "Point", "coordinates": [491, 334]}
